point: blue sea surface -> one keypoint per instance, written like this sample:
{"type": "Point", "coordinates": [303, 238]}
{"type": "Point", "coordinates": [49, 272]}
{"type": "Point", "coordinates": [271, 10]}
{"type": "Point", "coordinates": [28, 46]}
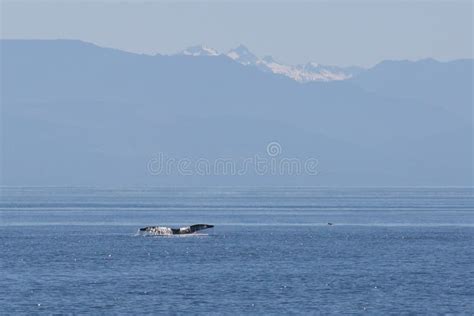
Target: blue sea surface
{"type": "Point", "coordinates": [397, 250]}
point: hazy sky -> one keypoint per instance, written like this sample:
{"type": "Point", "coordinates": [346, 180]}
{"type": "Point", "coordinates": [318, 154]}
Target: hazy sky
{"type": "Point", "coordinates": [328, 32]}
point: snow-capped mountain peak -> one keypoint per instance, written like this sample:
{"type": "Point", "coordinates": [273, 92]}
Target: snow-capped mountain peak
{"type": "Point", "coordinates": [242, 55]}
{"type": "Point", "coordinates": [310, 71]}
{"type": "Point", "coordinates": [200, 50]}
{"type": "Point", "coordinates": [242, 50]}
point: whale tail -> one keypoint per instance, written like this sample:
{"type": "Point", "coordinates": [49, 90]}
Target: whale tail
{"type": "Point", "coordinates": [159, 230]}
{"type": "Point", "coordinates": [197, 227]}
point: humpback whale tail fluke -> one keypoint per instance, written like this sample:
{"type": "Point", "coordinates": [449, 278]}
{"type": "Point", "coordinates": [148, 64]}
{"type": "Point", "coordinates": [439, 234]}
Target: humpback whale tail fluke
{"type": "Point", "coordinates": [160, 230]}
{"type": "Point", "coordinates": [197, 227]}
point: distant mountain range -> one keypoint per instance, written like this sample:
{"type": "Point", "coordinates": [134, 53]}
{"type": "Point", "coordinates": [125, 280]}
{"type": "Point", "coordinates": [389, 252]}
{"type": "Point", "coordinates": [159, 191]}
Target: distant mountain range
{"type": "Point", "coordinates": [302, 73]}
{"type": "Point", "coordinates": [74, 113]}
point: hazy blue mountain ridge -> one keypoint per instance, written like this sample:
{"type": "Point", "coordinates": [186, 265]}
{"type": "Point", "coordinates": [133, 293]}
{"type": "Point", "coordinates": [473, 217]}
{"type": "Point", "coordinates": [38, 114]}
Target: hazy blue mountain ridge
{"type": "Point", "coordinates": [75, 113]}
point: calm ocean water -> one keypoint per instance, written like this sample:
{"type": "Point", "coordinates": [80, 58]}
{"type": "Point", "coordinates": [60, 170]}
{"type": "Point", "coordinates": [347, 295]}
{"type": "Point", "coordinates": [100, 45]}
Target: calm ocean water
{"type": "Point", "coordinates": [75, 250]}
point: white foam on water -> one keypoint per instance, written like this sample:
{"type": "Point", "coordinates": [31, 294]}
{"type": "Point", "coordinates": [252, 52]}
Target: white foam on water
{"type": "Point", "coordinates": [174, 236]}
